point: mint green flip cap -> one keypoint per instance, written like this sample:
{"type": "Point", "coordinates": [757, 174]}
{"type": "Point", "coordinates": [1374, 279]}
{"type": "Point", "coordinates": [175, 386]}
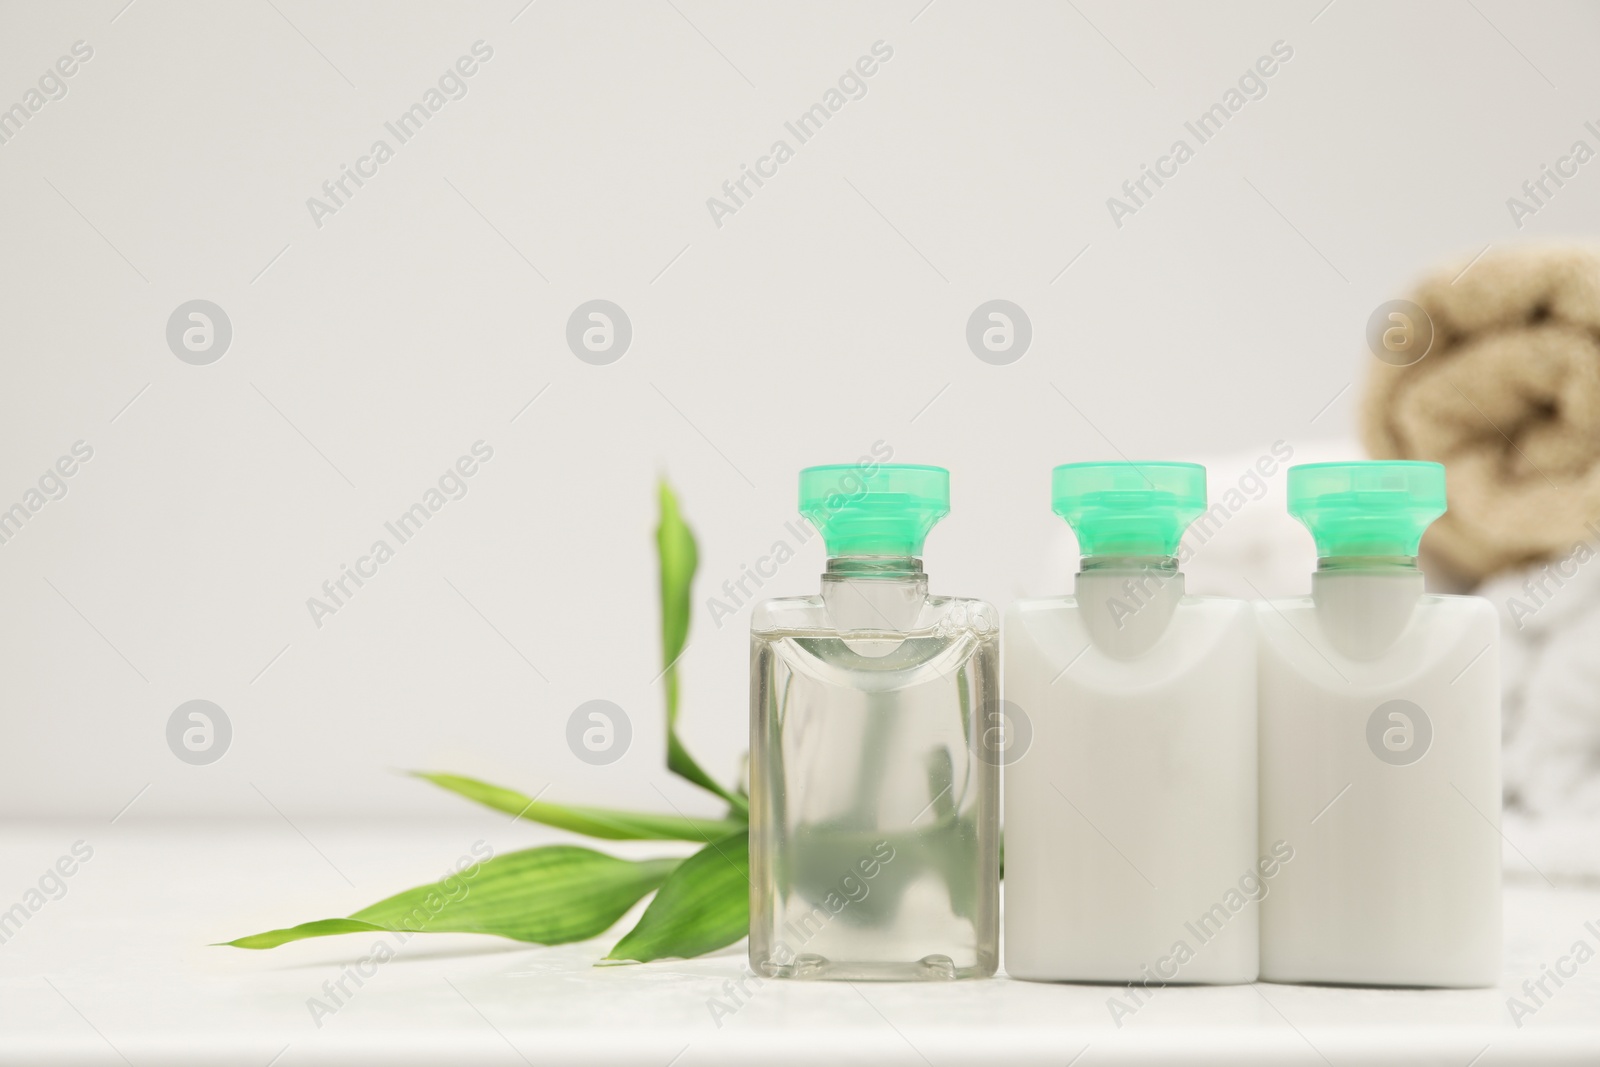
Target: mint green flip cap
{"type": "Point", "coordinates": [882, 510]}
{"type": "Point", "coordinates": [1369, 508]}
{"type": "Point", "coordinates": [1129, 509]}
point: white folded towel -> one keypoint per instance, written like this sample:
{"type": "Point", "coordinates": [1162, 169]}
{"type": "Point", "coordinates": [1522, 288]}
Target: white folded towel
{"type": "Point", "coordinates": [1550, 632]}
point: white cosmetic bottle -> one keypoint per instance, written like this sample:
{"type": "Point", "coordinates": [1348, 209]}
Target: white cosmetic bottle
{"type": "Point", "coordinates": [1380, 748]}
{"type": "Point", "coordinates": [1130, 814]}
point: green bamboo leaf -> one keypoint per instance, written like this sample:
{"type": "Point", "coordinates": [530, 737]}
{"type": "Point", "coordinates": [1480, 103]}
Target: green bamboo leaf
{"type": "Point", "coordinates": [549, 896]}
{"type": "Point", "coordinates": [679, 762]}
{"type": "Point", "coordinates": [679, 559]}
{"type": "Point", "coordinates": [702, 906]}
{"type": "Point", "coordinates": [606, 823]}
{"type": "Point", "coordinates": [675, 546]}
{"type": "Point", "coordinates": [320, 928]}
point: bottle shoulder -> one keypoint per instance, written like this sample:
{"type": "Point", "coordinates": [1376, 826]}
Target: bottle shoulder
{"type": "Point", "coordinates": [811, 614]}
{"type": "Point", "coordinates": [1362, 644]}
{"type": "Point", "coordinates": [1201, 629]}
{"type": "Point", "coordinates": [1437, 605]}
{"type": "Point", "coordinates": [1460, 603]}
{"type": "Point", "coordinates": [1221, 606]}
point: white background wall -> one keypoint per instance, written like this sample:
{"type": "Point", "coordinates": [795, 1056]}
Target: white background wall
{"type": "Point", "coordinates": [830, 312]}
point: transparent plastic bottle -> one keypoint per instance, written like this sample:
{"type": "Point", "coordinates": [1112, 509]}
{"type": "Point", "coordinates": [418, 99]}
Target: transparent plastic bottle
{"type": "Point", "coordinates": [874, 836]}
{"type": "Point", "coordinates": [1131, 815]}
{"type": "Point", "coordinates": [1380, 748]}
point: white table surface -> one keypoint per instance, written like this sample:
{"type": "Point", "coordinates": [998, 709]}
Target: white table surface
{"type": "Point", "coordinates": [119, 970]}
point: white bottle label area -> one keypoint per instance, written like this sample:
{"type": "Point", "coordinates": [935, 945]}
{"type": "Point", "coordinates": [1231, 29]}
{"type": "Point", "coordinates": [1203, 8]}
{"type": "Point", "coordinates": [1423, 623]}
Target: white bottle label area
{"type": "Point", "coordinates": [1380, 764]}
{"type": "Point", "coordinates": [1130, 821]}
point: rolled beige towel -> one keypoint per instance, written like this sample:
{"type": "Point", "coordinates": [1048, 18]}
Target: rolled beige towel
{"type": "Point", "coordinates": [1508, 399]}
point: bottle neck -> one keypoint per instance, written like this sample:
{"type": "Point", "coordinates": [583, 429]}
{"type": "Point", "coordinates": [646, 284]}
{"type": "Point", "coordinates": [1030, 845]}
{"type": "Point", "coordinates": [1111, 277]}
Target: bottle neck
{"type": "Point", "coordinates": [883, 594]}
{"type": "Point", "coordinates": [1128, 600]}
{"type": "Point", "coordinates": [874, 568]}
{"type": "Point", "coordinates": [1365, 604]}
